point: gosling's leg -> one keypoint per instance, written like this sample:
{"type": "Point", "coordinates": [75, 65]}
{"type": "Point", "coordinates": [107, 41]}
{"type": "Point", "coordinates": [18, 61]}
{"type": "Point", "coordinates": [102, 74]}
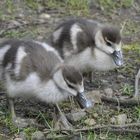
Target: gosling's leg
{"type": "Point", "coordinates": [17, 121]}
{"type": "Point", "coordinates": [137, 84]}
{"type": "Point", "coordinates": [11, 107]}
{"type": "Point", "coordinates": [63, 118]}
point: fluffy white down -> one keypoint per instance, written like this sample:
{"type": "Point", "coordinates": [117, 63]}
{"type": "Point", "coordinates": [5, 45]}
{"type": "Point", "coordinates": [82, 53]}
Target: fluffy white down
{"type": "Point", "coordinates": [33, 87]}
{"type": "Point", "coordinates": [75, 29]}
{"type": "Point", "coordinates": [87, 60]}
{"type": "Point", "coordinates": [19, 57]}
{"type": "Point", "coordinates": [3, 50]}
{"type": "Point", "coordinates": [56, 34]}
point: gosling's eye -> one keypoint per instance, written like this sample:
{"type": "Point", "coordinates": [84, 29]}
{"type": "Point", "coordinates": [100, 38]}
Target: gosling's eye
{"type": "Point", "coordinates": [108, 43]}
{"type": "Point", "coordinates": [70, 86]}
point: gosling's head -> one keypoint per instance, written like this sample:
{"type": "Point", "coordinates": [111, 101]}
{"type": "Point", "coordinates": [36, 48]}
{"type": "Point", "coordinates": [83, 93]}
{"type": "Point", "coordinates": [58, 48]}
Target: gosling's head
{"type": "Point", "coordinates": [73, 78]}
{"type": "Point", "coordinates": [108, 40]}
{"type": "Point", "coordinates": [69, 80]}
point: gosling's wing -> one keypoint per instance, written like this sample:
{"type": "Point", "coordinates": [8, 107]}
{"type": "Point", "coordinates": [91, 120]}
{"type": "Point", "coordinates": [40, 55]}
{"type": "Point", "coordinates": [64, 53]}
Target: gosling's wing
{"type": "Point", "coordinates": [73, 36]}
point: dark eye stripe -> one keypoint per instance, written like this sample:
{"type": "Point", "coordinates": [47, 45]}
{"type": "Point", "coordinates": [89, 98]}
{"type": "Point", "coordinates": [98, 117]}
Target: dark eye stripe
{"type": "Point", "coordinates": [108, 44]}
{"type": "Point", "coordinates": [70, 86]}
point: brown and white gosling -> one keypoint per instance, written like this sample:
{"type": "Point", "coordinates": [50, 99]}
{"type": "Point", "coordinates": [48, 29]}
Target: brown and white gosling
{"type": "Point", "coordinates": [88, 44]}
{"type": "Point", "coordinates": [31, 69]}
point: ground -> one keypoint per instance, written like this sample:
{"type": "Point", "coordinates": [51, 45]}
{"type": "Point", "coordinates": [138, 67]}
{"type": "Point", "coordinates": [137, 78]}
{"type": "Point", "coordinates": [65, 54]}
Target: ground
{"type": "Point", "coordinates": [30, 19]}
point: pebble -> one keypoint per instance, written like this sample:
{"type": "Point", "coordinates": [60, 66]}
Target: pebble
{"type": "Point", "coordinates": [14, 23]}
{"type": "Point", "coordinates": [90, 122]}
{"type": "Point", "coordinates": [108, 92]}
{"type": "Point", "coordinates": [23, 136]}
{"type": "Point", "coordinates": [120, 78]}
{"type": "Point", "coordinates": [45, 16]}
{"type": "Point", "coordinates": [113, 120]}
{"type": "Point", "coordinates": [76, 116]}
{"type": "Point", "coordinates": [95, 115]}
{"type": "Point", "coordinates": [121, 119]}
{"type": "Point", "coordinates": [38, 135]}
{"type": "Point", "coordinates": [94, 96]}
{"type": "Point", "coordinates": [18, 139]}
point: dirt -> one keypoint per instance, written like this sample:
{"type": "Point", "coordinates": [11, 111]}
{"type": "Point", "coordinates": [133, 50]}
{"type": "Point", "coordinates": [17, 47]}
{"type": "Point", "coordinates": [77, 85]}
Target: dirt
{"type": "Point", "coordinates": [120, 80]}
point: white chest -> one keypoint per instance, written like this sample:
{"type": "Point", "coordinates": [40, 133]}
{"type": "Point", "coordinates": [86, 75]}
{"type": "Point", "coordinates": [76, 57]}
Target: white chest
{"type": "Point", "coordinates": [88, 60]}
{"type": "Point", "coordinates": [101, 61]}
{"type": "Point", "coordinates": [32, 87]}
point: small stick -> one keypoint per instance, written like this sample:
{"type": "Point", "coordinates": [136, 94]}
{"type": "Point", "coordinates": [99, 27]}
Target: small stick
{"type": "Point", "coordinates": [137, 84]}
{"type": "Point", "coordinates": [122, 102]}
{"type": "Point", "coordinates": [127, 128]}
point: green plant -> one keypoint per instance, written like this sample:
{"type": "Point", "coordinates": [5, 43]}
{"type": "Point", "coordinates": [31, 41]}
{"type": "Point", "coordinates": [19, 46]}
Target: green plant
{"type": "Point", "coordinates": [8, 122]}
{"type": "Point", "coordinates": [42, 117]}
{"type": "Point", "coordinates": [29, 131]}
{"type": "Point", "coordinates": [91, 136]}
{"type": "Point", "coordinates": [126, 3]}
{"type": "Point", "coordinates": [127, 89]}
{"type": "Point", "coordinates": [138, 112]}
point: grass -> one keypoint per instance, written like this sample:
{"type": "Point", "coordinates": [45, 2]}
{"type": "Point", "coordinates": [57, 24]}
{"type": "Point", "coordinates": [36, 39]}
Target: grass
{"type": "Point", "coordinates": [80, 7]}
{"type": "Point", "coordinates": [132, 47]}
{"type": "Point", "coordinates": [22, 33]}
{"type": "Point", "coordinates": [10, 6]}
{"type": "Point", "coordinates": [72, 7]}
{"type": "Point", "coordinates": [42, 117]}
{"type": "Point", "coordinates": [110, 136]}
{"type": "Point", "coordinates": [33, 4]}
{"type": "Point", "coordinates": [110, 5]}
{"type": "Point", "coordinates": [131, 27]}
{"type": "Point", "coordinates": [91, 136]}
{"type": "Point", "coordinates": [29, 131]}
{"type": "Point", "coordinates": [137, 109]}
{"type": "Point", "coordinates": [127, 89]}
{"type": "Point", "coordinates": [6, 120]}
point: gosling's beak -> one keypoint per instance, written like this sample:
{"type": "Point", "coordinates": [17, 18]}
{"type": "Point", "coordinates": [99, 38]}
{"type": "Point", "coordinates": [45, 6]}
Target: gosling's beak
{"type": "Point", "coordinates": [118, 58]}
{"type": "Point", "coordinates": [83, 101]}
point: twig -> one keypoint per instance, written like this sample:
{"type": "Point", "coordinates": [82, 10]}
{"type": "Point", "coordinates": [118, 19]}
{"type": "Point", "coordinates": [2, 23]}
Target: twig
{"type": "Point", "coordinates": [120, 131]}
{"type": "Point", "coordinates": [122, 102]}
{"type": "Point", "coordinates": [137, 84]}
{"type": "Point", "coordinates": [123, 128]}
{"type": "Point", "coordinates": [123, 25]}
{"type": "Point", "coordinates": [124, 131]}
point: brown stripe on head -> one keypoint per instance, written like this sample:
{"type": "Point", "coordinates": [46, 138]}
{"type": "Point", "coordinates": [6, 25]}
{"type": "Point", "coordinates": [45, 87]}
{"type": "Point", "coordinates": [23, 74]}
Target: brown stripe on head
{"type": "Point", "coordinates": [111, 33]}
{"type": "Point", "coordinates": [72, 75]}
